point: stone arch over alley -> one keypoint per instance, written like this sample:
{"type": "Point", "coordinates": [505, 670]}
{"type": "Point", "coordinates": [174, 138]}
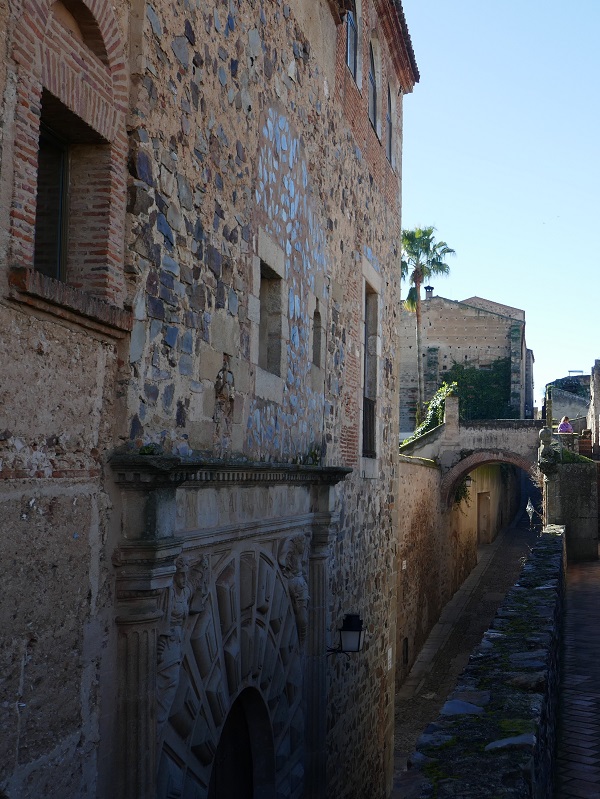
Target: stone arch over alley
{"type": "Point", "coordinates": [481, 458]}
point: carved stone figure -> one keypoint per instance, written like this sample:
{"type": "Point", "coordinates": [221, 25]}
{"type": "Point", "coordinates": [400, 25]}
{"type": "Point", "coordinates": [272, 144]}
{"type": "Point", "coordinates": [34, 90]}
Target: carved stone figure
{"type": "Point", "coordinates": [292, 562]}
{"type": "Point", "coordinates": [187, 595]}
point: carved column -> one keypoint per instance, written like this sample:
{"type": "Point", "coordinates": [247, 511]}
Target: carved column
{"type": "Point", "coordinates": [137, 657]}
{"type": "Point", "coordinates": [324, 526]}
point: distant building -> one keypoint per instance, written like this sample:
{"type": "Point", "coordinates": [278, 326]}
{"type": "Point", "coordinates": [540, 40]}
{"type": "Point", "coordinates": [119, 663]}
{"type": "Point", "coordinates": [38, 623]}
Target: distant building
{"type": "Point", "coordinates": [473, 332]}
{"type": "Point", "coordinates": [570, 397]}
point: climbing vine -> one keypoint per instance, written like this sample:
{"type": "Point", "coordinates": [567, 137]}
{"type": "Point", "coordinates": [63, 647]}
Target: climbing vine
{"type": "Point", "coordinates": [483, 393]}
{"type": "Point", "coordinates": [462, 493]}
{"type": "Point", "coordinates": [435, 411]}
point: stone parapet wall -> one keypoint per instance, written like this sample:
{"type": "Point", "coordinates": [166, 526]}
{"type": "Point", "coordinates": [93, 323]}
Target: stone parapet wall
{"type": "Point", "coordinates": [496, 733]}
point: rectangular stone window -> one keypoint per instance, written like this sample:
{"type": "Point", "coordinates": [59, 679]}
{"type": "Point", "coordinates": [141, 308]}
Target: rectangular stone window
{"type": "Point", "coordinates": [270, 334]}
{"type": "Point", "coordinates": [369, 448]}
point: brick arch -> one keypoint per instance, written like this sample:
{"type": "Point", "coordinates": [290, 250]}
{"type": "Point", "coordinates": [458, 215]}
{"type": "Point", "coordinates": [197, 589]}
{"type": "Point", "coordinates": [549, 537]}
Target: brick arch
{"type": "Point", "coordinates": [471, 462]}
{"type": "Point", "coordinates": [36, 28]}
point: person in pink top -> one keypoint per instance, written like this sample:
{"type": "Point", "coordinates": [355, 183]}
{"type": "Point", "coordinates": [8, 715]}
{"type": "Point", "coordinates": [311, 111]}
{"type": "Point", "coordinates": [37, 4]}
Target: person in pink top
{"type": "Point", "coordinates": [565, 425]}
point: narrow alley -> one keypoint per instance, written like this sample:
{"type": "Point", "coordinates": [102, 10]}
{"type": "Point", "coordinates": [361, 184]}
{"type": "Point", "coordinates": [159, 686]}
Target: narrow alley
{"type": "Point", "coordinates": [459, 630]}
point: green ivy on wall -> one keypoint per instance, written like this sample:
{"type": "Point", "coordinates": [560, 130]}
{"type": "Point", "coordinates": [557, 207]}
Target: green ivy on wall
{"type": "Point", "coordinates": [483, 393]}
{"type": "Point", "coordinates": [435, 411]}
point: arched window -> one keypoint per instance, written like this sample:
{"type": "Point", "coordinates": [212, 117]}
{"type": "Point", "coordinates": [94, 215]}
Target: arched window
{"type": "Point", "coordinates": [68, 225]}
{"type": "Point", "coordinates": [372, 88]}
{"type": "Point", "coordinates": [389, 127]}
{"type": "Point", "coordinates": [352, 43]}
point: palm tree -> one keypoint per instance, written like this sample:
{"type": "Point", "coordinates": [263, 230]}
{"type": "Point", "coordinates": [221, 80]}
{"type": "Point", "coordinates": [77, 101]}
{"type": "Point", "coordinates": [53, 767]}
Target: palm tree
{"type": "Point", "coordinates": [422, 257]}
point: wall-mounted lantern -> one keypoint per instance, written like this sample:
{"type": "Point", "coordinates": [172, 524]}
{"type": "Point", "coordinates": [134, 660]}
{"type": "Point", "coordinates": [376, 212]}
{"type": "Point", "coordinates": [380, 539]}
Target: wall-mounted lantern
{"type": "Point", "coordinates": [468, 481]}
{"type": "Point", "coordinates": [352, 635]}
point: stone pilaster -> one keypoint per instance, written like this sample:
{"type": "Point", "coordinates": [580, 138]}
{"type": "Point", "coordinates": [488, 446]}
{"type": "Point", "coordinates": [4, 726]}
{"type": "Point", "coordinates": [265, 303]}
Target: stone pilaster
{"type": "Point", "coordinates": [137, 656]}
{"type": "Point", "coordinates": [145, 564]}
{"type": "Point", "coordinates": [324, 527]}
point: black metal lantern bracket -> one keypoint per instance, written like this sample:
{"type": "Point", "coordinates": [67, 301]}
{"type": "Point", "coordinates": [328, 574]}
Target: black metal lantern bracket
{"type": "Point", "coordinates": [352, 636]}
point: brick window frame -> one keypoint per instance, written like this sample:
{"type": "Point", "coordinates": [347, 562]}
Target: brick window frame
{"type": "Point", "coordinates": [71, 54]}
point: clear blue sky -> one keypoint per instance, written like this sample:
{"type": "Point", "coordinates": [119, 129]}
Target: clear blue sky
{"type": "Point", "coordinates": [501, 140]}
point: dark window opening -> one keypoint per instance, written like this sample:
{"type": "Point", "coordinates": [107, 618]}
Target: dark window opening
{"type": "Point", "coordinates": [317, 333]}
{"type": "Point", "coordinates": [270, 325]}
{"type": "Point", "coordinates": [51, 205]}
{"type": "Point", "coordinates": [73, 162]}
{"type": "Point", "coordinates": [369, 448]}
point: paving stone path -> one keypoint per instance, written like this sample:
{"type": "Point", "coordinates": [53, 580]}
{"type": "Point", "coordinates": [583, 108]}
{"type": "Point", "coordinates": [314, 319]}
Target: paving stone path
{"type": "Point", "coordinates": [579, 740]}
{"type": "Point", "coordinates": [446, 652]}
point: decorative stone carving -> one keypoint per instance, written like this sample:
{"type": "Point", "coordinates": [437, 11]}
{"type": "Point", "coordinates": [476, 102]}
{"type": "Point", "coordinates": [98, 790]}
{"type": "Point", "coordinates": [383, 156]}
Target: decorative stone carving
{"type": "Point", "coordinates": [223, 415]}
{"type": "Point", "coordinates": [187, 595]}
{"type": "Point", "coordinates": [225, 382]}
{"type": "Point", "coordinates": [292, 557]}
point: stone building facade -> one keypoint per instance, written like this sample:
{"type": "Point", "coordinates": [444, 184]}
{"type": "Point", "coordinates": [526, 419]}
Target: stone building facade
{"type": "Point", "coordinates": [199, 305]}
{"type": "Point", "coordinates": [473, 332]}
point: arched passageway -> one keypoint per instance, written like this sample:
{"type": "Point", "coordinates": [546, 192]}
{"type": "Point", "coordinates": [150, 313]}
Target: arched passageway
{"type": "Point", "coordinates": [454, 475]}
{"type": "Point", "coordinates": [244, 765]}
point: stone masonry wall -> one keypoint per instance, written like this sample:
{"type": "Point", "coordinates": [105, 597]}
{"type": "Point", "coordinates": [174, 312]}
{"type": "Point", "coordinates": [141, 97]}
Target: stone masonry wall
{"type": "Point", "coordinates": [422, 553]}
{"type": "Point", "coordinates": [57, 410]}
{"type": "Point", "coordinates": [60, 413]}
{"type": "Point", "coordinates": [242, 157]}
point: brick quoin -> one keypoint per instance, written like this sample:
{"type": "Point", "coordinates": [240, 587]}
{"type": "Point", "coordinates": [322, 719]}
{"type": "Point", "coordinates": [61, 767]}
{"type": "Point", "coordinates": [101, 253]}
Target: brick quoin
{"type": "Point", "coordinates": [468, 464]}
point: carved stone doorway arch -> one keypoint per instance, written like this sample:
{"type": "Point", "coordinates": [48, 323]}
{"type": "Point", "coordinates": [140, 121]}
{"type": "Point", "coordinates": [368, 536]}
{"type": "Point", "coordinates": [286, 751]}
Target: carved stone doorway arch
{"type": "Point", "coordinates": [242, 664]}
{"type": "Point", "coordinates": [222, 597]}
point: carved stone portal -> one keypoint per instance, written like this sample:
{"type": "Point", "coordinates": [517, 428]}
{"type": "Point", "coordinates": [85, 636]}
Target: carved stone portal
{"type": "Point", "coordinates": [239, 632]}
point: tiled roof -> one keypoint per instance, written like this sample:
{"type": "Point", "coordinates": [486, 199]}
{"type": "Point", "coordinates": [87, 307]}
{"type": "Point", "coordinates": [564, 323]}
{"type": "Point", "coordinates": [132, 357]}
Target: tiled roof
{"type": "Point", "coordinates": [407, 39]}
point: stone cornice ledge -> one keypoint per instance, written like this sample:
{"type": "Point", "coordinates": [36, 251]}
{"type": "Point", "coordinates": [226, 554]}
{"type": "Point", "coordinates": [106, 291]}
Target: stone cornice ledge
{"type": "Point", "coordinates": [67, 302]}
{"type": "Point", "coordinates": [132, 470]}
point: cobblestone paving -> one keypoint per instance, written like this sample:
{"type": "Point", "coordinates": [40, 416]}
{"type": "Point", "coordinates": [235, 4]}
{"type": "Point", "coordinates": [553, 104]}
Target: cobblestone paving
{"type": "Point", "coordinates": [447, 650]}
{"type": "Point", "coordinates": [579, 740]}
